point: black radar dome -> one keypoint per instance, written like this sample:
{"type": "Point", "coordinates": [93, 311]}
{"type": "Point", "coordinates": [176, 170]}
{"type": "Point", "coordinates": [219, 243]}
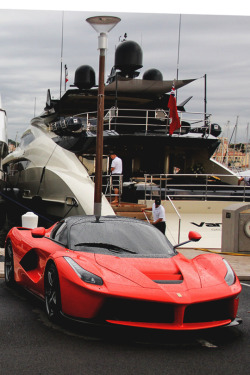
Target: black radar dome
{"type": "Point", "coordinates": [84, 77]}
{"type": "Point", "coordinates": [215, 130]}
{"type": "Point", "coordinates": [128, 57]}
{"type": "Point", "coordinates": [153, 75]}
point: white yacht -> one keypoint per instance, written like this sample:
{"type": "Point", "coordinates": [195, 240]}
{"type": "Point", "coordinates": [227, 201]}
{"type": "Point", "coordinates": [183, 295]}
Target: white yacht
{"type": "Point", "coordinates": [3, 142]}
{"type": "Point", "coordinates": [50, 172]}
{"type": "Point", "coordinates": [3, 153]}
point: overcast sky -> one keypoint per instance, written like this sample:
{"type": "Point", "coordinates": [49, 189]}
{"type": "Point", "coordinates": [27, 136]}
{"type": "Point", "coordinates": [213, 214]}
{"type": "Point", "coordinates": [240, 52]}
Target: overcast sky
{"type": "Point", "coordinates": [216, 45]}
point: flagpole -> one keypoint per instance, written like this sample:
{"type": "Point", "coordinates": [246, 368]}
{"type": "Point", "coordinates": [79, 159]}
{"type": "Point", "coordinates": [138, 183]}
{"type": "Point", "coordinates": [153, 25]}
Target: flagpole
{"type": "Point", "coordinates": [61, 56]}
{"type": "Point", "coordinates": [178, 55]}
{"type": "Point", "coordinates": [65, 72]}
{"type": "Point", "coordinates": [66, 77]}
{"type": "Point", "coordinates": [173, 114]}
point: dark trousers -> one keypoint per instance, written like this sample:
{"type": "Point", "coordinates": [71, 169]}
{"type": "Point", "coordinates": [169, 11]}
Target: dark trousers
{"type": "Point", "coordinates": [161, 226]}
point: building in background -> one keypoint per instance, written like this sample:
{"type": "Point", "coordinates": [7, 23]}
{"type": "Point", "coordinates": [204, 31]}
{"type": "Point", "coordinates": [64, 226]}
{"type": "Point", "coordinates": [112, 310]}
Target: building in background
{"type": "Point", "coordinates": [233, 155]}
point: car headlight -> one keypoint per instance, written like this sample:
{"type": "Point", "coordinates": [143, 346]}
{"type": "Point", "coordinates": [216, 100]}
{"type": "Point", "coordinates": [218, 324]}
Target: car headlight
{"type": "Point", "coordinates": [85, 275]}
{"type": "Point", "coordinates": [230, 275]}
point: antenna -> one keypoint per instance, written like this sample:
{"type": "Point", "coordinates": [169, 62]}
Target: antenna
{"type": "Point", "coordinates": [61, 56]}
{"type": "Point", "coordinates": [178, 55]}
{"type": "Point", "coordinates": [234, 131]}
{"type": "Point", "coordinates": [205, 99]}
{"type": "Point", "coordinates": [35, 108]}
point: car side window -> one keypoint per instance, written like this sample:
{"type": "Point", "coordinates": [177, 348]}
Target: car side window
{"type": "Point", "coordinates": [61, 234]}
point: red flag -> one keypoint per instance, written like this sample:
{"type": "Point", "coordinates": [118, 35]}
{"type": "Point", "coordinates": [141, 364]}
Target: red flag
{"type": "Point", "coordinates": [66, 73]}
{"type": "Point", "coordinates": [173, 115]}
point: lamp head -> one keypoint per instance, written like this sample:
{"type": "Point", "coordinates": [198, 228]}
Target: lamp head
{"type": "Point", "coordinates": [103, 24]}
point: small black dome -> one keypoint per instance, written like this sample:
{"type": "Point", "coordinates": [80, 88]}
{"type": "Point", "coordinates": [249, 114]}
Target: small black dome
{"type": "Point", "coordinates": [153, 75]}
{"type": "Point", "coordinates": [215, 130]}
{"type": "Point", "coordinates": [128, 57]}
{"type": "Point", "coordinates": [84, 77]}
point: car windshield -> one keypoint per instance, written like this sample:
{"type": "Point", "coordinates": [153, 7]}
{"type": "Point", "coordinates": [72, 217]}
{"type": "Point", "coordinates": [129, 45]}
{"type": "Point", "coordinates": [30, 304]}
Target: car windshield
{"type": "Point", "coordinates": [127, 238]}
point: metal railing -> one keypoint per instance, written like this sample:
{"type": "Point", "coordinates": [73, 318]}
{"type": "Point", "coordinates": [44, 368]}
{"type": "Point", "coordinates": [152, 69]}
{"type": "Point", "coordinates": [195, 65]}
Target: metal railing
{"type": "Point", "coordinates": [179, 218]}
{"type": "Point", "coordinates": [144, 119]}
{"type": "Point", "coordinates": [108, 186]}
{"type": "Point", "coordinates": [194, 186]}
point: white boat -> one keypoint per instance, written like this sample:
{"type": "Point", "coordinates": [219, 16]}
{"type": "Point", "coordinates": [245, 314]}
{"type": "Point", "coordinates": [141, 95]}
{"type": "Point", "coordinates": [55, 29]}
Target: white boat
{"type": "Point", "coordinates": [3, 142]}
{"type": "Point", "coordinates": [51, 180]}
{"type": "Point", "coordinates": [3, 153]}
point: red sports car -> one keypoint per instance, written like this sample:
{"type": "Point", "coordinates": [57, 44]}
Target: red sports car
{"type": "Point", "coordinates": [116, 270]}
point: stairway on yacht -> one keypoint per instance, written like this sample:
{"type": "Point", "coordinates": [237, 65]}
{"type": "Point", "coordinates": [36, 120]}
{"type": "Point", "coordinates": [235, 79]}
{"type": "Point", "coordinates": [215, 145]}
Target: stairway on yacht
{"type": "Point", "coordinates": [133, 210]}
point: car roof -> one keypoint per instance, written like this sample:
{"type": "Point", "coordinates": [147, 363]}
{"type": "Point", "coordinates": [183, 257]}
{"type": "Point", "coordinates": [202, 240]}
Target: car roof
{"type": "Point", "coordinates": [81, 219]}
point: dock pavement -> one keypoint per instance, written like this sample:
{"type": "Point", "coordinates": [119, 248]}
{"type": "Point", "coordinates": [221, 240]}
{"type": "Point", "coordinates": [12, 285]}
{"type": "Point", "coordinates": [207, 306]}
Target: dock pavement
{"type": "Point", "coordinates": [239, 262]}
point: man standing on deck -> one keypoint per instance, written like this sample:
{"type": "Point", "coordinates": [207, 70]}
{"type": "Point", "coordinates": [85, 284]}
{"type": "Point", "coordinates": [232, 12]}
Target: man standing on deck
{"type": "Point", "coordinates": [116, 172]}
{"type": "Point", "coordinates": [246, 180]}
{"type": "Point", "coordinates": [159, 219]}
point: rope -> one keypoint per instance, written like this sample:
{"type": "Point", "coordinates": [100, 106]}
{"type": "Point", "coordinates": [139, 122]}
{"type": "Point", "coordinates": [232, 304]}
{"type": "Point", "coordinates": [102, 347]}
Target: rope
{"type": "Point", "coordinates": [223, 252]}
{"type": "Point", "coordinates": [25, 207]}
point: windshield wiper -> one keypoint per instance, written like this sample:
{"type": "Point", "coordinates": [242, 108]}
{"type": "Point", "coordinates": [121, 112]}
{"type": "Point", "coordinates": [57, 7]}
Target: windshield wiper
{"type": "Point", "coordinates": [108, 246]}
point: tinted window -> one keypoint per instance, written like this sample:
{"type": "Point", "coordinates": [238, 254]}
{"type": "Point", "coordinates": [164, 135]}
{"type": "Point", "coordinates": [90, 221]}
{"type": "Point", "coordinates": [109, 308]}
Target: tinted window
{"type": "Point", "coordinates": [16, 167]}
{"type": "Point", "coordinates": [107, 237]}
{"type": "Point", "coordinates": [26, 139]}
{"type": "Point", "coordinates": [60, 233]}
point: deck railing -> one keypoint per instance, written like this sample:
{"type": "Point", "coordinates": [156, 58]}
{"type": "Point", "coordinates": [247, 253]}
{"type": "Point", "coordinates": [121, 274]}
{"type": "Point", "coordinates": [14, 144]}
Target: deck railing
{"type": "Point", "coordinates": [145, 120]}
{"type": "Point", "coordinates": [192, 186]}
{"type": "Point", "coordinates": [108, 186]}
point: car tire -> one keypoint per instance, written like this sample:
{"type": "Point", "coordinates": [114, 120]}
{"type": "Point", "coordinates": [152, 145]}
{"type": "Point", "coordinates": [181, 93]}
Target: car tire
{"type": "Point", "coordinates": [9, 265]}
{"type": "Point", "coordinates": [52, 293]}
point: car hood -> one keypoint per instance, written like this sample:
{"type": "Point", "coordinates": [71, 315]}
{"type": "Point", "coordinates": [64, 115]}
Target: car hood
{"type": "Point", "coordinates": [177, 270]}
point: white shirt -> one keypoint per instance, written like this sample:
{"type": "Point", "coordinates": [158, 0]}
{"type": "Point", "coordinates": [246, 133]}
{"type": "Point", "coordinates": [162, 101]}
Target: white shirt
{"type": "Point", "coordinates": [117, 165]}
{"type": "Point", "coordinates": [158, 212]}
{"type": "Point", "coordinates": [247, 180]}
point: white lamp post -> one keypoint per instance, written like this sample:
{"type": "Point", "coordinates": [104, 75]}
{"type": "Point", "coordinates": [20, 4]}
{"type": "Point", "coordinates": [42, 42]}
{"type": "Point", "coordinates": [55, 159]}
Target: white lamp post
{"type": "Point", "coordinates": [101, 24]}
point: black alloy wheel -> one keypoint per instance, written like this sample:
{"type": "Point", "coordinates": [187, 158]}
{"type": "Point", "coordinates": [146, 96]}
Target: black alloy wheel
{"type": "Point", "coordinates": [9, 264]}
{"type": "Point", "coordinates": [52, 293]}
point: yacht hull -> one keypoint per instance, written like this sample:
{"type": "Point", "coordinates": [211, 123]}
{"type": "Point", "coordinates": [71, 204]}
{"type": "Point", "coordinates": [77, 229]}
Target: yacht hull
{"type": "Point", "coordinates": [50, 180]}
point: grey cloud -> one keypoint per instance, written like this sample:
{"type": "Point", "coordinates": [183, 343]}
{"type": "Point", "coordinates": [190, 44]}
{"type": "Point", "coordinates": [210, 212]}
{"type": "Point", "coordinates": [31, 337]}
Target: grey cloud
{"type": "Point", "coordinates": [215, 45]}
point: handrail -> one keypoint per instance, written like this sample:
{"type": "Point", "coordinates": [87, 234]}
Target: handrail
{"type": "Point", "coordinates": [107, 186]}
{"type": "Point", "coordinates": [158, 184]}
{"type": "Point", "coordinates": [179, 216]}
{"type": "Point", "coordinates": [115, 117]}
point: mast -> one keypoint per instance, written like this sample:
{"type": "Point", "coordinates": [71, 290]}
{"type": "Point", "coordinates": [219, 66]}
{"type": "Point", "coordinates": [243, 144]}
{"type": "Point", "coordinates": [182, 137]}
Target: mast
{"type": "Point", "coordinates": [35, 108]}
{"type": "Point", "coordinates": [228, 125]}
{"type": "Point", "coordinates": [205, 99]}
{"type": "Point", "coordinates": [246, 149]}
{"type": "Point", "coordinates": [235, 133]}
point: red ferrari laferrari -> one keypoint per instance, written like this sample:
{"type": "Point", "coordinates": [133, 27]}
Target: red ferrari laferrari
{"type": "Point", "coordinates": [116, 270]}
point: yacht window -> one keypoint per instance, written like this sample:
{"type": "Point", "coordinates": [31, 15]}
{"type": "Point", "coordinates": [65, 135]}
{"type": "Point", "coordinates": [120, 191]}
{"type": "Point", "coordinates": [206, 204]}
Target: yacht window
{"type": "Point", "coordinates": [23, 164]}
{"type": "Point", "coordinates": [16, 167]}
{"type": "Point", "coordinates": [27, 139]}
